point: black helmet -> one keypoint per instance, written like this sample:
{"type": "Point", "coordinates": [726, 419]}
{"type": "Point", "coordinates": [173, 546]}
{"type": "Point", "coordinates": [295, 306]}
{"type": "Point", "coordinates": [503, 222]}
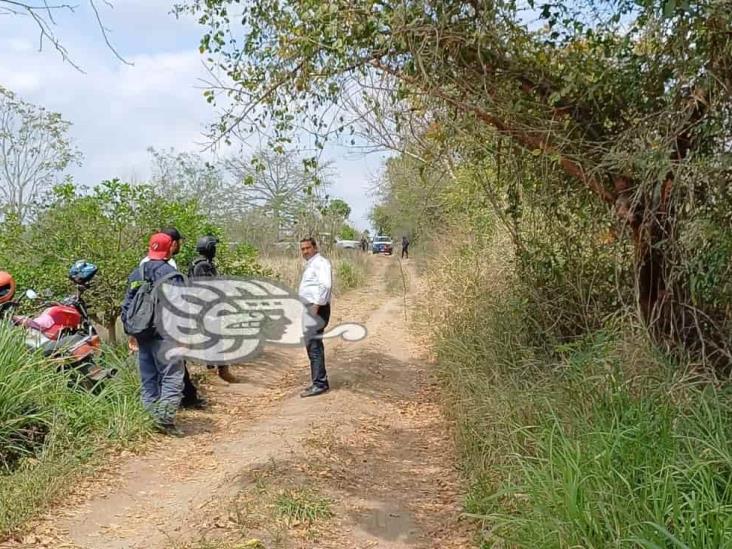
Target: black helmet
{"type": "Point", "coordinates": [206, 245]}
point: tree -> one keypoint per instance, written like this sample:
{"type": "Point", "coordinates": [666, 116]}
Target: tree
{"type": "Point", "coordinates": [276, 182]}
{"type": "Point", "coordinates": [34, 149]}
{"type": "Point", "coordinates": [189, 176]}
{"type": "Point", "coordinates": [347, 232]}
{"type": "Point", "coordinates": [381, 220]}
{"type": "Point", "coordinates": [334, 215]}
{"type": "Point", "coordinates": [338, 208]}
{"type": "Point", "coordinates": [409, 195]}
{"type": "Point", "coordinates": [627, 98]}
{"type": "Point", "coordinates": [109, 226]}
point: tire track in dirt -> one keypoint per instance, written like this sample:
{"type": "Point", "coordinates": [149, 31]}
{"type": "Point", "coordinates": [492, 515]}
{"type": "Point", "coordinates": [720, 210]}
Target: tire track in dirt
{"type": "Point", "coordinates": [376, 446]}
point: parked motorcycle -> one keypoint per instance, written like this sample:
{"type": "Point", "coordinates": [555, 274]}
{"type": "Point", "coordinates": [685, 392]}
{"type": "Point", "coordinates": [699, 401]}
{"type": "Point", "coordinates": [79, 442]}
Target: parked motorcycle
{"type": "Point", "coordinates": [65, 331]}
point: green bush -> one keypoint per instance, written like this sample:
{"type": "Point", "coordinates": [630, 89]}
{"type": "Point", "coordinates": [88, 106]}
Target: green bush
{"type": "Point", "coordinates": [241, 260]}
{"type": "Point", "coordinates": [109, 226]}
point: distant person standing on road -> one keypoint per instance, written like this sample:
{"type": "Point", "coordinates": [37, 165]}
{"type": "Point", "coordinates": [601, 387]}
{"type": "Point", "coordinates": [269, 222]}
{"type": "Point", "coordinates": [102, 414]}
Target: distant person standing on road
{"type": "Point", "coordinates": [364, 243]}
{"type": "Point", "coordinates": [315, 293]}
{"type": "Point", "coordinates": [405, 247]}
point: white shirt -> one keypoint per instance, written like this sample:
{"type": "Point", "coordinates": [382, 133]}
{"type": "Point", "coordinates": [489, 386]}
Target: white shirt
{"type": "Point", "coordinates": [317, 281]}
{"type": "Point", "coordinates": [170, 261]}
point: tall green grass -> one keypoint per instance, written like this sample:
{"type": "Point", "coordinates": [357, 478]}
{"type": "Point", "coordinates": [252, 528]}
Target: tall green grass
{"type": "Point", "coordinates": [603, 442]}
{"type": "Point", "coordinates": [51, 430]}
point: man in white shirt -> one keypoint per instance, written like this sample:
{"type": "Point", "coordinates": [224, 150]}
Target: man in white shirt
{"type": "Point", "coordinates": [315, 293]}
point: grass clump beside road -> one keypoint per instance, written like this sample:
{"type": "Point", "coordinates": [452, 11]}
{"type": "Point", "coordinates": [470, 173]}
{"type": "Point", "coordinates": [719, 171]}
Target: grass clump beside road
{"type": "Point", "coordinates": [350, 272]}
{"type": "Point", "coordinates": [600, 442]}
{"type": "Point", "coordinates": [299, 505]}
{"type": "Point", "coordinates": [273, 510]}
{"type": "Point", "coordinates": [50, 431]}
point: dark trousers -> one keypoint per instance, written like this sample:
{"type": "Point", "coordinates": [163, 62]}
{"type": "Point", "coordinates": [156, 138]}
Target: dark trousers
{"type": "Point", "coordinates": [405, 251]}
{"type": "Point", "coordinates": [161, 380]}
{"type": "Point", "coordinates": [316, 351]}
{"type": "Point", "coordinates": [190, 393]}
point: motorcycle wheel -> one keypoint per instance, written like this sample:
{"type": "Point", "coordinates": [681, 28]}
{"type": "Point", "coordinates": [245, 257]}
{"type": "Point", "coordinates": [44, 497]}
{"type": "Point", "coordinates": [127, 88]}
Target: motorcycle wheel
{"type": "Point", "coordinates": [95, 376]}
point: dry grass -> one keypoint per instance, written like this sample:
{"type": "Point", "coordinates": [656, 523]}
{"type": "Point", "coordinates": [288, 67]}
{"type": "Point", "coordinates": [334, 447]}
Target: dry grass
{"type": "Point", "coordinates": [350, 268]}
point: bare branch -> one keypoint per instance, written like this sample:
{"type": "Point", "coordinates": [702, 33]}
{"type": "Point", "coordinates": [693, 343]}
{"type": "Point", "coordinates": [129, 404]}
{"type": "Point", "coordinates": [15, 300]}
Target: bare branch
{"type": "Point", "coordinates": [42, 15]}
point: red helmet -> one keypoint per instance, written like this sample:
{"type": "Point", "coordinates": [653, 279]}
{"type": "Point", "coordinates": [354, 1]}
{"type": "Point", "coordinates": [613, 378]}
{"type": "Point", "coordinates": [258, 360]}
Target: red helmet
{"type": "Point", "coordinates": [7, 287]}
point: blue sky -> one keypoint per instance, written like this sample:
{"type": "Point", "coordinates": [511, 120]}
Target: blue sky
{"type": "Point", "coordinates": [118, 111]}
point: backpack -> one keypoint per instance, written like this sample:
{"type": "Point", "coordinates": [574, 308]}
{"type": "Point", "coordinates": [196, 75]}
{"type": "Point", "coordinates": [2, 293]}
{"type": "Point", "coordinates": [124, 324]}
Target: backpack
{"type": "Point", "coordinates": [196, 262]}
{"type": "Point", "coordinates": [140, 319]}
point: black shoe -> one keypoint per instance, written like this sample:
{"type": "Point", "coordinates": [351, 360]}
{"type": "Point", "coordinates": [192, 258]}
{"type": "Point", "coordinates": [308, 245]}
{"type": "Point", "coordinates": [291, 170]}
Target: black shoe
{"type": "Point", "coordinates": [198, 404]}
{"type": "Point", "coordinates": [169, 429]}
{"type": "Point", "coordinates": [313, 390]}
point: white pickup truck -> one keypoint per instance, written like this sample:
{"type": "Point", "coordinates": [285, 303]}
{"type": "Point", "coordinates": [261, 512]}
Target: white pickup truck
{"type": "Point", "coordinates": [348, 244]}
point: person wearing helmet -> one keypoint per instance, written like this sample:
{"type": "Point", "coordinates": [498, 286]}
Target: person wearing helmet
{"type": "Point", "coordinates": [203, 266]}
{"type": "Point", "coordinates": [7, 290]}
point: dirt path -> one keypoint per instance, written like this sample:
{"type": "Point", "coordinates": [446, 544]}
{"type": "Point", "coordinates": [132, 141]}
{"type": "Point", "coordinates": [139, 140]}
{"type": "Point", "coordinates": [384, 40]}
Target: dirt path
{"type": "Point", "coordinates": [367, 465]}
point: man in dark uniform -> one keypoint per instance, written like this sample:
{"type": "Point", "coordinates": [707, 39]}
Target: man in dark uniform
{"type": "Point", "coordinates": [203, 266]}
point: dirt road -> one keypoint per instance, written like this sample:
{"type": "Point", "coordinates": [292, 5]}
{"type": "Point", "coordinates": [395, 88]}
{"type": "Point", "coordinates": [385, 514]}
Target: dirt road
{"type": "Point", "coordinates": [369, 464]}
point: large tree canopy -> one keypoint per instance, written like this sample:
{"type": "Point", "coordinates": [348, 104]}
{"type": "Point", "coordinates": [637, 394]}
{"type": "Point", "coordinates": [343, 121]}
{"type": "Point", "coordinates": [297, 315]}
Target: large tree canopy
{"type": "Point", "coordinates": [628, 98]}
{"type": "Point", "coordinates": [597, 80]}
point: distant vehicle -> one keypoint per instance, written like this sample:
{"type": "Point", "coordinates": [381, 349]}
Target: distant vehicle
{"type": "Point", "coordinates": [286, 245]}
{"type": "Point", "coordinates": [382, 245]}
{"type": "Point", "coordinates": [348, 244]}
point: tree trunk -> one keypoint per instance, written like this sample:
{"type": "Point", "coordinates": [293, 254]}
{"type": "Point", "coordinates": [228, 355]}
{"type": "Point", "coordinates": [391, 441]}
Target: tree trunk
{"type": "Point", "coordinates": [649, 268]}
{"type": "Point", "coordinates": [111, 327]}
{"type": "Point", "coordinates": [651, 228]}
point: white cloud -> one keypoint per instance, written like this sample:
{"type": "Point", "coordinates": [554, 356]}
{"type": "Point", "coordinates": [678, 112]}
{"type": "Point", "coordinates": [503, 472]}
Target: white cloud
{"type": "Point", "coordinates": [118, 111]}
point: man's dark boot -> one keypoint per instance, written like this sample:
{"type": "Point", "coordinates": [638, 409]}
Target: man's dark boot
{"type": "Point", "coordinates": [313, 390]}
{"type": "Point", "coordinates": [199, 403]}
{"type": "Point", "coordinates": [226, 375]}
{"type": "Point", "coordinates": [169, 429]}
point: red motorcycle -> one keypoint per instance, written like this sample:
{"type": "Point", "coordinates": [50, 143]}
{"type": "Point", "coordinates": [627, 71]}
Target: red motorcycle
{"type": "Point", "coordinates": [64, 331]}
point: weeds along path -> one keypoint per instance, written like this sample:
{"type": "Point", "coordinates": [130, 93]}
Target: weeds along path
{"type": "Point", "coordinates": [369, 464]}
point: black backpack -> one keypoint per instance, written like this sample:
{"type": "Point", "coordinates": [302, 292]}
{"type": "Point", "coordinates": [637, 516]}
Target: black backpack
{"type": "Point", "coordinates": [140, 319]}
{"type": "Point", "coordinates": [195, 263]}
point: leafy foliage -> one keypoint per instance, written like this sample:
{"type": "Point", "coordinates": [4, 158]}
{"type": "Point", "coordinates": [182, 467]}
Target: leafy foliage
{"type": "Point", "coordinates": [110, 226]}
{"type": "Point", "coordinates": [604, 104]}
{"type": "Point", "coordinates": [348, 233]}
